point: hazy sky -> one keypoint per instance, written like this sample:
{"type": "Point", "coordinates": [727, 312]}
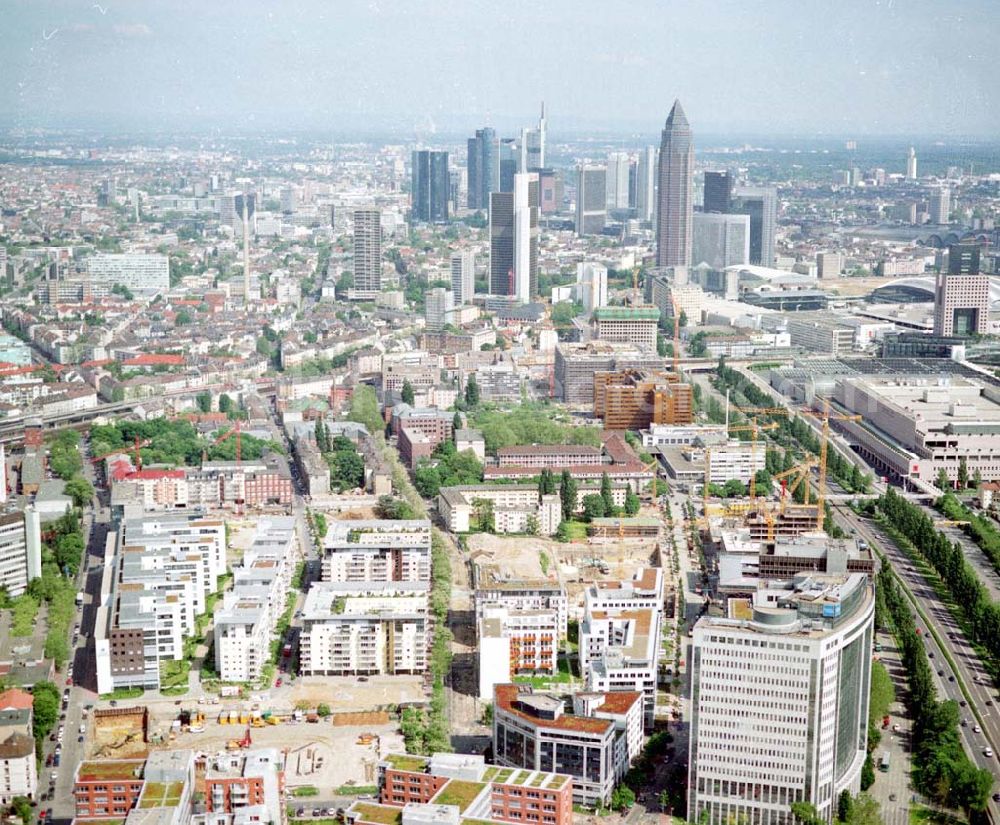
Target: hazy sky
{"type": "Point", "coordinates": [743, 67]}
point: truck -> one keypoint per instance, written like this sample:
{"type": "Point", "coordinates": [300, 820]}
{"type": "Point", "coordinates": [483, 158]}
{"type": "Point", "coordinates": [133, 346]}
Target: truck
{"type": "Point", "coordinates": [883, 763]}
{"type": "Point", "coordinates": [79, 598]}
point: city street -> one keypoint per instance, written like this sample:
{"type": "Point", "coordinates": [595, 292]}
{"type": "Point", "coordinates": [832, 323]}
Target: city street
{"type": "Point", "coordinates": [969, 685]}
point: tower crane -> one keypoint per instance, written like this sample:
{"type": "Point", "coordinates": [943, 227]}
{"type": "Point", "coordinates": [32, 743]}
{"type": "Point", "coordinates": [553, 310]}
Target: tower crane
{"type": "Point", "coordinates": [826, 416]}
{"type": "Point", "coordinates": [138, 445]}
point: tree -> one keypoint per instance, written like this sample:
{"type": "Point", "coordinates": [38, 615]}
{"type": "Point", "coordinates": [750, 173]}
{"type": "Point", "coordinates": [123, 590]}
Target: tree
{"type": "Point", "coordinates": [427, 480]}
{"type": "Point", "coordinates": [456, 422]}
{"type": "Point", "coordinates": [323, 710]}
{"type": "Point", "coordinates": [862, 810]}
{"type": "Point", "coordinates": [941, 481]}
{"type": "Point", "coordinates": [683, 320]}
{"type": "Point", "coordinates": [805, 813]}
{"type": "Point", "coordinates": [977, 479]}
{"type": "Point", "coordinates": [225, 403]}
{"type": "Point", "coordinates": [322, 438]}
{"type": "Point", "coordinates": [963, 473]}
{"type": "Point", "coordinates": [606, 493]}
{"type": "Point", "coordinates": [407, 394]}
{"type": "Point", "coordinates": [762, 482]}
{"type": "Point", "coordinates": [80, 490]}
{"type": "Point", "coordinates": [593, 506]}
{"type": "Point", "coordinates": [20, 806]}
{"type": "Point", "coordinates": [482, 509]}
{"type": "Point", "coordinates": [347, 469]}
{"type": "Point", "coordinates": [631, 502]}
{"type": "Point", "coordinates": [622, 798]}
{"type": "Point", "coordinates": [182, 318]}
{"type": "Point", "coordinates": [568, 491]}
{"type": "Point", "coordinates": [471, 392]}
{"type": "Point", "coordinates": [867, 773]}
{"type": "Point", "coordinates": [562, 532]}
{"type": "Point", "coordinates": [734, 488]}
{"type": "Point", "coordinates": [531, 525]}
{"type": "Point", "coordinates": [45, 710]}
{"type": "Point", "coordinates": [546, 483]}
{"type": "Point", "coordinates": [365, 409]}
{"type": "Point", "coordinates": [844, 805]}
{"type": "Point", "coordinates": [204, 401]}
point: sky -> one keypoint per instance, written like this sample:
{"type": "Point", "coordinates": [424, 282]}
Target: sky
{"type": "Point", "coordinates": [740, 67]}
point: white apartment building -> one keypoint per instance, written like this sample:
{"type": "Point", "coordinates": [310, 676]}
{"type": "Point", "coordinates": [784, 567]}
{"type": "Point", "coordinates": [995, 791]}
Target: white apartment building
{"type": "Point", "coordinates": [18, 766]}
{"type": "Point", "coordinates": [137, 271]}
{"type": "Point", "coordinates": [780, 702]}
{"type": "Point", "coordinates": [738, 460]}
{"type": "Point", "coordinates": [377, 550]}
{"type": "Point", "coordinates": [514, 643]}
{"type": "Point", "coordinates": [371, 628]}
{"type": "Point", "coordinates": [20, 550]}
{"type": "Point", "coordinates": [619, 651]}
{"type": "Point", "coordinates": [158, 572]}
{"type": "Point", "coordinates": [521, 594]}
{"type": "Point", "coordinates": [252, 608]}
{"type": "Point", "coordinates": [514, 505]}
{"type": "Point", "coordinates": [645, 590]}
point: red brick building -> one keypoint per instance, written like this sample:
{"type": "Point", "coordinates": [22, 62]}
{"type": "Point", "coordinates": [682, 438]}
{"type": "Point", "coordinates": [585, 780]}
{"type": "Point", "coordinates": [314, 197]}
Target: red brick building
{"type": "Point", "coordinates": [107, 790]}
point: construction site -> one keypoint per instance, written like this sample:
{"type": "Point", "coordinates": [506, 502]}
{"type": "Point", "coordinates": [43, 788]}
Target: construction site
{"type": "Point", "coordinates": [325, 752]}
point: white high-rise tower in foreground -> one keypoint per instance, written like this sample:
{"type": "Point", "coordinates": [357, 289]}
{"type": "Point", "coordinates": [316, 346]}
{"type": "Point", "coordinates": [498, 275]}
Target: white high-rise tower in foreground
{"type": "Point", "coordinates": [779, 698]}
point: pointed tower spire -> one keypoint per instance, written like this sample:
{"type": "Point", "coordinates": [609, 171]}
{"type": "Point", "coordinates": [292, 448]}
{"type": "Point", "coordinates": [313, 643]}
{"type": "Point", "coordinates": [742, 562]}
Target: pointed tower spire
{"type": "Point", "coordinates": [677, 116]}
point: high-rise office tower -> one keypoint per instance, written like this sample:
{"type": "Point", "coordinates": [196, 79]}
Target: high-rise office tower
{"type": "Point", "coordinates": [779, 701]}
{"type": "Point", "coordinates": [463, 276]}
{"type": "Point", "coordinates": [616, 186]}
{"type": "Point", "coordinates": [720, 240]}
{"type": "Point", "coordinates": [533, 146]}
{"type": "Point", "coordinates": [645, 184]}
{"type": "Point", "coordinates": [940, 206]}
{"type": "Point", "coordinates": [367, 252]}
{"type": "Point", "coordinates": [289, 199]}
{"type": "Point", "coordinates": [761, 204]}
{"type": "Point", "coordinates": [962, 294]}
{"type": "Point", "coordinates": [911, 164]}
{"type": "Point", "coordinates": [502, 243]}
{"type": "Point", "coordinates": [484, 167]}
{"type": "Point", "coordinates": [591, 199]}
{"type": "Point", "coordinates": [718, 192]}
{"type": "Point", "coordinates": [526, 236]}
{"type": "Point", "coordinates": [549, 191]}
{"type": "Point", "coordinates": [430, 186]}
{"type": "Point", "coordinates": [514, 239]}
{"type": "Point", "coordinates": [507, 155]}
{"type": "Point", "coordinates": [675, 197]}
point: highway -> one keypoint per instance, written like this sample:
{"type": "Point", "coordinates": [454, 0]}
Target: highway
{"type": "Point", "coordinates": [977, 558]}
{"type": "Point", "coordinates": [969, 684]}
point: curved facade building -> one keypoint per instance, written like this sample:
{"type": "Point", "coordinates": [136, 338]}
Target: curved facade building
{"type": "Point", "coordinates": [780, 701]}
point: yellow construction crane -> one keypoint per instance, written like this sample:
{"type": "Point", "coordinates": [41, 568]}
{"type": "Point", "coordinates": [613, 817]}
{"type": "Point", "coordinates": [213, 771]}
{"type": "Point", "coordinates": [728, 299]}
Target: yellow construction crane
{"type": "Point", "coordinates": [948, 523]}
{"type": "Point", "coordinates": [798, 474]}
{"type": "Point", "coordinates": [823, 444]}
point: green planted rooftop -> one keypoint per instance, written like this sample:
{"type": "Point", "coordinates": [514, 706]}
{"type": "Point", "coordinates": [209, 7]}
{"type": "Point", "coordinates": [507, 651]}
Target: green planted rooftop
{"type": "Point", "coordinates": [407, 762]}
{"type": "Point", "coordinates": [378, 814]}
{"type": "Point", "coordinates": [459, 792]}
{"type": "Point", "coordinates": [646, 313]}
{"type": "Point", "coordinates": [161, 794]}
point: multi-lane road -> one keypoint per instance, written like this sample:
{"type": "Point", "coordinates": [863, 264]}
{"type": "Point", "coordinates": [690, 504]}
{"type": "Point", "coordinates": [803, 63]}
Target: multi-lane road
{"type": "Point", "coordinates": [967, 682]}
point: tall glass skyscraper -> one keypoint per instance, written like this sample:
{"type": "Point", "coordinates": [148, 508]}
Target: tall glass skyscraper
{"type": "Point", "coordinates": [673, 225]}
{"type": "Point", "coordinates": [430, 186]}
{"type": "Point", "coordinates": [484, 167]}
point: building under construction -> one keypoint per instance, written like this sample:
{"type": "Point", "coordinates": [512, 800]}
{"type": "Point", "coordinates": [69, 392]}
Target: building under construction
{"type": "Point", "coordinates": [793, 520]}
{"type": "Point", "coordinates": [635, 399]}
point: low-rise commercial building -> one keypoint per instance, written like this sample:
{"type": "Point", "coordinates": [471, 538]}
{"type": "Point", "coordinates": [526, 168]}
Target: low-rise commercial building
{"type": "Point", "coordinates": [594, 744]}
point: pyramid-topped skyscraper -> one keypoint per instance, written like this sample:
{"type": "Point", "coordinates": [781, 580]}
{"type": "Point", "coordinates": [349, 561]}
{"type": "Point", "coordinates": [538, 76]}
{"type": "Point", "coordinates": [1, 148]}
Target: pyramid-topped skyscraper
{"type": "Point", "coordinates": [676, 196]}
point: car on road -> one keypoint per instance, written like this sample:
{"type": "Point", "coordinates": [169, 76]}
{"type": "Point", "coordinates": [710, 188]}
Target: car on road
{"type": "Point", "coordinates": [277, 682]}
{"type": "Point", "coordinates": [996, 797]}
{"type": "Point", "coordinates": [977, 729]}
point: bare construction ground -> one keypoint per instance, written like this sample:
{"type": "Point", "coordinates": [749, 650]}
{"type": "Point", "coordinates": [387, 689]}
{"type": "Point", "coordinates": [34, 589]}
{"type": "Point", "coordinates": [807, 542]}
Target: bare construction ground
{"type": "Point", "coordinates": [346, 693]}
{"type": "Point", "coordinates": [322, 755]}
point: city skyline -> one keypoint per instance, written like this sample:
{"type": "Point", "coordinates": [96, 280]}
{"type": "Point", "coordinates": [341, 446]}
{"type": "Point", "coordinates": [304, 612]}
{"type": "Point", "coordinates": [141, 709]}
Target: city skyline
{"type": "Point", "coordinates": [384, 66]}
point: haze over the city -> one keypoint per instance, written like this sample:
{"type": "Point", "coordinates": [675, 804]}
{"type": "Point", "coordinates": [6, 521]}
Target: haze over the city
{"type": "Point", "coordinates": [903, 67]}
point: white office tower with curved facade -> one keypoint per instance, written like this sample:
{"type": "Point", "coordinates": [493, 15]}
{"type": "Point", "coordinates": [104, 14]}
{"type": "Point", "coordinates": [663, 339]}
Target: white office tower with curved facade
{"type": "Point", "coordinates": [780, 701]}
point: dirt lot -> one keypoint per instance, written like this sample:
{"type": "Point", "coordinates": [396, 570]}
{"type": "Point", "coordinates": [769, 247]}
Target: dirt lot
{"type": "Point", "coordinates": [520, 557]}
{"type": "Point", "coordinates": [343, 693]}
{"type": "Point", "coordinates": [319, 754]}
